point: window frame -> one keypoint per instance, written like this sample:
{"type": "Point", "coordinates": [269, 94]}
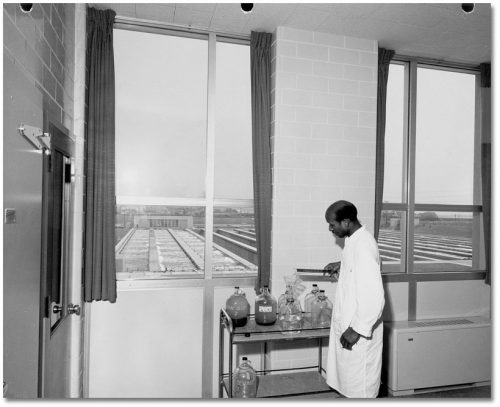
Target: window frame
{"type": "Point", "coordinates": [408, 206]}
{"type": "Point", "coordinates": [209, 201]}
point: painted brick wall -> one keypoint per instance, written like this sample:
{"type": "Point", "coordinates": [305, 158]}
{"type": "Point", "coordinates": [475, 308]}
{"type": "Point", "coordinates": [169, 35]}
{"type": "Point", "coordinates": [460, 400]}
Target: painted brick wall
{"type": "Point", "coordinates": [324, 118]}
{"type": "Point", "coordinates": [323, 146]}
{"type": "Point", "coordinates": [41, 44]}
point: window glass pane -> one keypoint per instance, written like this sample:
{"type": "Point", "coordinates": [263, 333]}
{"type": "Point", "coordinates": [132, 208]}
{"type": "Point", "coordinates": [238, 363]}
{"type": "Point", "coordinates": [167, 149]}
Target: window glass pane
{"type": "Point", "coordinates": [234, 234]}
{"type": "Point", "coordinates": [391, 239]}
{"type": "Point", "coordinates": [235, 249]}
{"type": "Point", "coordinates": [394, 136]}
{"type": "Point", "coordinates": [233, 126]}
{"type": "Point", "coordinates": [159, 241]}
{"type": "Point", "coordinates": [161, 105]}
{"type": "Point", "coordinates": [447, 241]}
{"type": "Point", "coordinates": [445, 137]}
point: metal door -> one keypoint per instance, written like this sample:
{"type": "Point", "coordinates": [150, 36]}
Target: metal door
{"type": "Point", "coordinates": [55, 350]}
{"type": "Point", "coordinates": [22, 198]}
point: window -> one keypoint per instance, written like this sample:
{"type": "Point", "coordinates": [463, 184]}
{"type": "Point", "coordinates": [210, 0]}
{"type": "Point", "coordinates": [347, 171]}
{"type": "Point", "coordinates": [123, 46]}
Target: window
{"type": "Point", "coordinates": [184, 191]}
{"type": "Point", "coordinates": [431, 213]}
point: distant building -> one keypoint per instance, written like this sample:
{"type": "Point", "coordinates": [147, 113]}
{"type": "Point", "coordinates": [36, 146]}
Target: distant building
{"type": "Point", "coordinates": [163, 221]}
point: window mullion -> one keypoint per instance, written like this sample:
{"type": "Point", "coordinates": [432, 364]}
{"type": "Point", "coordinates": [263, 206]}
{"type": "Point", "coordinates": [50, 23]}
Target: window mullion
{"type": "Point", "coordinates": [478, 260]}
{"type": "Point", "coordinates": [411, 156]}
{"type": "Point", "coordinates": [405, 180]}
{"type": "Point", "coordinates": [209, 183]}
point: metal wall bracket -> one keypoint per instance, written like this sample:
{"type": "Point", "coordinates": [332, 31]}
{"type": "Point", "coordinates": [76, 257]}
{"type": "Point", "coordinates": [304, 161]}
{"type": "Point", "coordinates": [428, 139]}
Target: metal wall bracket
{"type": "Point", "coordinates": [36, 136]}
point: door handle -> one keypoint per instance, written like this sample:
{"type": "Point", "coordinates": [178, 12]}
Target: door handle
{"type": "Point", "coordinates": [74, 309]}
{"type": "Point", "coordinates": [56, 309]}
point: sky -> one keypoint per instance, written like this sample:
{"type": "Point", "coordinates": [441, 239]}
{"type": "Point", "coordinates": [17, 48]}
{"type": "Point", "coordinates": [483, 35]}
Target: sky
{"type": "Point", "coordinates": [161, 124]}
{"type": "Point", "coordinates": [444, 137]}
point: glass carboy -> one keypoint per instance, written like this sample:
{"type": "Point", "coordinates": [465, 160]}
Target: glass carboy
{"type": "Point", "coordinates": [265, 307]}
{"type": "Point", "coordinates": [238, 308]}
{"type": "Point", "coordinates": [290, 316]}
{"type": "Point", "coordinates": [282, 297]}
{"type": "Point", "coordinates": [321, 310]}
{"type": "Point", "coordinates": [245, 380]}
{"type": "Point", "coordinates": [310, 298]}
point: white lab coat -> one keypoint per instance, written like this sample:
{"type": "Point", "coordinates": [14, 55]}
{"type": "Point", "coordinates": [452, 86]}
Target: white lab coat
{"type": "Point", "coordinates": [359, 302]}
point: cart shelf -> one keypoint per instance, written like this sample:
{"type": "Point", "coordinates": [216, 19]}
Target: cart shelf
{"type": "Point", "coordinates": [288, 384]}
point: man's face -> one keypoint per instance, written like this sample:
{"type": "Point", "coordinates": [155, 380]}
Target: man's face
{"type": "Point", "coordinates": [339, 229]}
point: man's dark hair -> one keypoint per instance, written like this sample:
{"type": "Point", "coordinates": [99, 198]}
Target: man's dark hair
{"type": "Point", "coordinates": [342, 210]}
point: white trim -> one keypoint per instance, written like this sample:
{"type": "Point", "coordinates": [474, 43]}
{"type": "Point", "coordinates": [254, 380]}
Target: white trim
{"type": "Point", "coordinates": [77, 362]}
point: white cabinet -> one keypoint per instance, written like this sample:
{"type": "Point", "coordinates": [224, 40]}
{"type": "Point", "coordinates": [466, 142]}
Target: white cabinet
{"type": "Point", "coordinates": [425, 354]}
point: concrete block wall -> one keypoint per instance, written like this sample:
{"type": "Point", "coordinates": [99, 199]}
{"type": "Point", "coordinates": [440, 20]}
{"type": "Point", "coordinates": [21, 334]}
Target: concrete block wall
{"type": "Point", "coordinates": [323, 142]}
{"type": "Point", "coordinates": [41, 45]}
{"type": "Point", "coordinates": [324, 90]}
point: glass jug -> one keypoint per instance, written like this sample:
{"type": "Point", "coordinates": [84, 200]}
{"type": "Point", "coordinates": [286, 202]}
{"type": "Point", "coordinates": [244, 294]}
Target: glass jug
{"type": "Point", "coordinates": [238, 308]}
{"type": "Point", "coordinates": [321, 310]}
{"type": "Point", "coordinates": [310, 298]}
{"type": "Point", "coordinates": [244, 380]}
{"type": "Point", "coordinates": [290, 316]}
{"type": "Point", "coordinates": [282, 298]}
{"type": "Point", "coordinates": [265, 307]}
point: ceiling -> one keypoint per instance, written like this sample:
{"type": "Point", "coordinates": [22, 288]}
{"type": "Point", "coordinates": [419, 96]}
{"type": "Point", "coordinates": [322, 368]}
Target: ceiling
{"type": "Point", "coordinates": [432, 30]}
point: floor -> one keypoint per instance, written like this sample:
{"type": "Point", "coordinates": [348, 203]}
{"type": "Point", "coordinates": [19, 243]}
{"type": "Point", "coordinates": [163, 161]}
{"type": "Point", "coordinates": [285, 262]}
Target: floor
{"type": "Point", "coordinates": [470, 393]}
{"type": "Point", "coordinates": [482, 392]}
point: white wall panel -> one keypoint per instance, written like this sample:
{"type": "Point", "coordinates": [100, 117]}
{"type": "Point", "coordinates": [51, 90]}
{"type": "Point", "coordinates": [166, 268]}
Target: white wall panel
{"type": "Point", "coordinates": [442, 299]}
{"type": "Point", "coordinates": [147, 345]}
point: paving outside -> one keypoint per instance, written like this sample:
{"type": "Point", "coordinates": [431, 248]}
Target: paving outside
{"type": "Point", "coordinates": [156, 252]}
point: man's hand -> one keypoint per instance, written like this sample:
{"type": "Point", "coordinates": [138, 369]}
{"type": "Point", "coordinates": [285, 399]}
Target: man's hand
{"type": "Point", "coordinates": [349, 338]}
{"type": "Point", "coordinates": [332, 269]}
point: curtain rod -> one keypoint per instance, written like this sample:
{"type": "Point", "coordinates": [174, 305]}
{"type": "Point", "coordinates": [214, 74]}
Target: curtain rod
{"type": "Point", "coordinates": [130, 22]}
{"type": "Point", "coordinates": [436, 62]}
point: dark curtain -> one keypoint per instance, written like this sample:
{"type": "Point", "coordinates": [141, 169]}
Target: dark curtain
{"type": "Point", "coordinates": [99, 271]}
{"type": "Point", "coordinates": [384, 59]}
{"type": "Point", "coordinates": [486, 162]}
{"type": "Point", "coordinates": [260, 66]}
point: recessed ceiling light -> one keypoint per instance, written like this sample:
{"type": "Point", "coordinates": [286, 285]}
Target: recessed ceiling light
{"type": "Point", "coordinates": [247, 7]}
{"type": "Point", "coordinates": [467, 7]}
{"type": "Point", "coordinates": [26, 7]}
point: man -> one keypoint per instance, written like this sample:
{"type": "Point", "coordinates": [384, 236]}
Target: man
{"type": "Point", "coordinates": [355, 353]}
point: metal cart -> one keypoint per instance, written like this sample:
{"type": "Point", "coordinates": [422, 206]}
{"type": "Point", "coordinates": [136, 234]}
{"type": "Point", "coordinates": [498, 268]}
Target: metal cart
{"type": "Point", "coordinates": [272, 382]}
